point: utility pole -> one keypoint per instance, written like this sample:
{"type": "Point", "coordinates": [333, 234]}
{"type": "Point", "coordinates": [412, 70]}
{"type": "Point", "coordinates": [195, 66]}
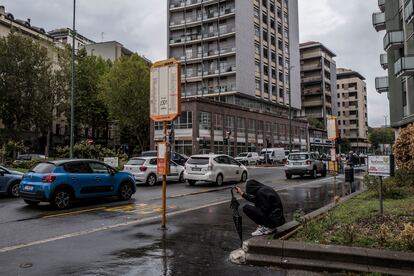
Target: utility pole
{"type": "Point", "coordinates": [290, 110]}
{"type": "Point", "coordinates": [72, 91]}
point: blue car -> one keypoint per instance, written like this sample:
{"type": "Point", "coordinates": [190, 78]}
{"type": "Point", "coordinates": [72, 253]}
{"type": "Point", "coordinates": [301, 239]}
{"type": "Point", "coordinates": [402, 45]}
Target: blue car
{"type": "Point", "coordinates": [61, 182]}
{"type": "Point", "coordinates": [9, 182]}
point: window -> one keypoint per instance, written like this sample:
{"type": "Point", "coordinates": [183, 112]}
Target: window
{"type": "Point", "coordinates": [257, 49]}
{"type": "Point", "coordinates": [257, 30]}
{"type": "Point", "coordinates": [205, 120]}
{"type": "Point", "coordinates": [77, 167]}
{"type": "Point", "coordinates": [257, 64]}
{"type": "Point", "coordinates": [98, 168]}
{"type": "Point", "coordinates": [258, 86]}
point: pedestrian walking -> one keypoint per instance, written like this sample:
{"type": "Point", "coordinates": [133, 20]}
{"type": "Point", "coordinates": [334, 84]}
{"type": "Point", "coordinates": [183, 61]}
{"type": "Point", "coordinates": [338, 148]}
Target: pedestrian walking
{"type": "Point", "coordinates": [267, 211]}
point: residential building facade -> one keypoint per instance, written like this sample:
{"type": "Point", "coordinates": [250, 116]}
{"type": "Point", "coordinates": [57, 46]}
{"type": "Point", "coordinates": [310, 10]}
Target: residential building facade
{"type": "Point", "coordinates": [396, 18]}
{"type": "Point", "coordinates": [242, 56]}
{"type": "Point", "coordinates": [352, 109]}
{"type": "Point", "coordinates": [318, 78]}
{"type": "Point", "coordinates": [65, 36]}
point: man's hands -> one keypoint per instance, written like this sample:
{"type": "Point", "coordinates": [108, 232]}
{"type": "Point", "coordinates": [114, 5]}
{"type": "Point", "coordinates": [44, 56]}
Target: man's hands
{"type": "Point", "coordinates": [238, 190]}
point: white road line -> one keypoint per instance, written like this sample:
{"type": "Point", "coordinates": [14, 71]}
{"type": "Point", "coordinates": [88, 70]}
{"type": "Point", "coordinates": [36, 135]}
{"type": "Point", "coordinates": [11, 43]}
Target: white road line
{"type": "Point", "coordinates": [133, 222]}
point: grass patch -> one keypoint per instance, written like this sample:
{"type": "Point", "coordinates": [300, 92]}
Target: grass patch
{"type": "Point", "coordinates": [357, 223]}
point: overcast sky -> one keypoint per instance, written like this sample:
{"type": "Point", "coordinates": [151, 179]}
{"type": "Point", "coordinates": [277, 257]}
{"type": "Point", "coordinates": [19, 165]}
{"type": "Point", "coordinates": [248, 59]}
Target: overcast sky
{"type": "Point", "coordinates": [345, 27]}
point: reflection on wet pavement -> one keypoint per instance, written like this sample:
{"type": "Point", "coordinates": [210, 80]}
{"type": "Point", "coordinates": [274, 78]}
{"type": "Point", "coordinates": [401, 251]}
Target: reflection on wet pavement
{"type": "Point", "coordinates": [199, 242]}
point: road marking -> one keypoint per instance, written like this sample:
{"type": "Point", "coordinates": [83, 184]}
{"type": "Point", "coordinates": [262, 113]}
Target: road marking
{"type": "Point", "coordinates": [109, 227]}
{"type": "Point", "coordinates": [73, 212]}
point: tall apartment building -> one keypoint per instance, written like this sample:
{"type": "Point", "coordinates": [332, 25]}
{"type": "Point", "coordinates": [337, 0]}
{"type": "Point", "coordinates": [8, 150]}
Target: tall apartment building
{"type": "Point", "coordinates": [318, 74]}
{"type": "Point", "coordinates": [352, 109]}
{"type": "Point", "coordinates": [237, 58]}
{"type": "Point", "coordinates": [396, 18]}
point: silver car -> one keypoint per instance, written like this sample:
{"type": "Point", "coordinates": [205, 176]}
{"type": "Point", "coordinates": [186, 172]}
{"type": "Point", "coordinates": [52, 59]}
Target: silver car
{"type": "Point", "coordinates": [9, 182]}
{"type": "Point", "coordinates": [304, 163]}
{"type": "Point", "coordinates": [144, 170]}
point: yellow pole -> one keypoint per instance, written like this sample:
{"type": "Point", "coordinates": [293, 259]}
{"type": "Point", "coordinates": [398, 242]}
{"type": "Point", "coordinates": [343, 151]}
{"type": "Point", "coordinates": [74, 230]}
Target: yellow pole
{"type": "Point", "coordinates": [164, 184]}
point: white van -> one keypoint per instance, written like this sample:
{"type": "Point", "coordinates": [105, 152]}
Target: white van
{"type": "Point", "coordinates": [274, 155]}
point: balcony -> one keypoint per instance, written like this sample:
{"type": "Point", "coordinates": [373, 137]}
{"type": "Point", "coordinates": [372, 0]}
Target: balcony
{"type": "Point", "coordinates": [409, 12]}
{"type": "Point", "coordinates": [404, 66]}
{"type": "Point", "coordinates": [378, 20]}
{"type": "Point", "coordinates": [312, 67]}
{"type": "Point", "coordinates": [309, 92]}
{"type": "Point", "coordinates": [393, 40]}
{"type": "Point", "coordinates": [381, 5]}
{"type": "Point", "coordinates": [384, 61]}
{"type": "Point", "coordinates": [206, 17]}
{"type": "Point", "coordinates": [314, 103]}
{"type": "Point", "coordinates": [311, 79]}
{"type": "Point", "coordinates": [381, 84]}
{"type": "Point", "coordinates": [207, 54]}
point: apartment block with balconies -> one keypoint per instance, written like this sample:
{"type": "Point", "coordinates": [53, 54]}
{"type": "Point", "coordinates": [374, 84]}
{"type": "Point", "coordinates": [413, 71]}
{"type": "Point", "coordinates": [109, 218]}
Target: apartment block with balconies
{"type": "Point", "coordinates": [396, 19]}
{"type": "Point", "coordinates": [352, 109]}
{"type": "Point", "coordinates": [235, 56]}
{"type": "Point", "coordinates": [318, 74]}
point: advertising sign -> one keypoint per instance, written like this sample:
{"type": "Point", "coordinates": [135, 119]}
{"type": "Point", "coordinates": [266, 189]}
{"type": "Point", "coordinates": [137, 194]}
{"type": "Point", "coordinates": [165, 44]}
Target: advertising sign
{"type": "Point", "coordinates": [112, 161]}
{"type": "Point", "coordinates": [163, 166]}
{"type": "Point", "coordinates": [165, 91]}
{"type": "Point", "coordinates": [332, 128]}
{"type": "Point", "coordinates": [380, 165]}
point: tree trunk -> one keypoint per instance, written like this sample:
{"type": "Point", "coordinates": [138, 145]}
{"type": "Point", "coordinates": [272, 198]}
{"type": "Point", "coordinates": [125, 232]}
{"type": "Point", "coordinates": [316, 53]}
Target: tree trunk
{"type": "Point", "coordinates": [48, 141]}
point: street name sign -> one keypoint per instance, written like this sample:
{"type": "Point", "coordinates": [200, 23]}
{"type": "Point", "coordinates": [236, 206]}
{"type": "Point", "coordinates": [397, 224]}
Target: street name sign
{"type": "Point", "coordinates": [165, 90]}
{"type": "Point", "coordinates": [332, 128]}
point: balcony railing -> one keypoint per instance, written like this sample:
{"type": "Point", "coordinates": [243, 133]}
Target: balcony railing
{"type": "Point", "coordinates": [384, 61]}
{"type": "Point", "coordinates": [312, 79]}
{"type": "Point", "coordinates": [381, 84]}
{"type": "Point", "coordinates": [188, 4]}
{"type": "Point", "coordinates": [393, 40]}
{"type": "Point", "coordinates": [225, 30]}
{"type": "Point", "coordinates": [409, 11]}
{"type": "Point", "coordinates": [381, 5]}
{"type": "Point", "coordinates": [207, 16]}
{"type": "Point", "coordinates": [404, 66]}
{"type": "Point", "coordinates": [378, 20]}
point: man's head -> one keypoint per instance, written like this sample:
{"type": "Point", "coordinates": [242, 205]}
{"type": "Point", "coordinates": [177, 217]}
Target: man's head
{"type": "Point", "coordinates": [252, 186]}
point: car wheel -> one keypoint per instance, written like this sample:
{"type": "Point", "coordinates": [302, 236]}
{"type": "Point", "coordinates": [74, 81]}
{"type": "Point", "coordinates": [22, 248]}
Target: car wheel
{"type": "Point", "coordinates": [288, 176]}
{"type": "Point", "coordinates": [243, 177]}
{"type": "Point", "coordinates": [191, 182]}
{"type": "Point", "coordinates": [314, 173]}
{"type": "Point", "coordinates": [125, 191]}
{"type": "Point", "coordinates": [31, 202]}
{"type": "Point", "coordinates": [181, 178]}
{"type": "Point", "coordinates": [219, 180]}
{"type": "Point", "coordinates": [14, 189]}
{"type": "Point", "coordinates": [324, 172]}
{"type": "Point", "coordinates": [61, 199]}
{"type": "Point", "coordinates": [151, 180]}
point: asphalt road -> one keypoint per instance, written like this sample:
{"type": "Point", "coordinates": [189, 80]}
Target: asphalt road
{"type": "Point", "coordinates": [43, 241]}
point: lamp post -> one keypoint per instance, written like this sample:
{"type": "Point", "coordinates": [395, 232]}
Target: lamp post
{"type": "Point", "coordinates": [290, 111]}
{"type": "Point", "coordinates": [72, 91]}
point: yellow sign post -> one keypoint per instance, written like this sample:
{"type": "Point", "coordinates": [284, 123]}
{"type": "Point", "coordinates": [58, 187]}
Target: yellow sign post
{"type": "Point", "coordinates": [165, 106]}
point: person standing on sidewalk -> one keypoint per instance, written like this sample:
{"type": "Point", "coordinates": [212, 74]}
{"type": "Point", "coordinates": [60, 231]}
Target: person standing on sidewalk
{"type": "Point", "coordinates": [267, 211]}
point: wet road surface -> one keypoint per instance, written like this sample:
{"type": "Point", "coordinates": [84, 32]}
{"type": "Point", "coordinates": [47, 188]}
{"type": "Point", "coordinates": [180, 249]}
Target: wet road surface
{"type": "Point", "coordinates": [112, 238]}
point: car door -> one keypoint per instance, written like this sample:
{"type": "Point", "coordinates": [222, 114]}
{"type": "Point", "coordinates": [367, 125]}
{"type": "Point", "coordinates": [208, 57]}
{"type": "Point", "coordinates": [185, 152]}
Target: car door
{"type": "Point", "coordinates": [235, 169]}
{"type": "Point", "coordinates": [104, 184]}
{"type": "Point", "coordinates": [80, 178]}
{"type": "Point", "coordinates": [174, 173]}
{"type": "Point", "coordinates": [4, 178]}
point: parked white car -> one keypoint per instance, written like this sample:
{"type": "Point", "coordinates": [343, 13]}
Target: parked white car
{"type": "Point", "coordinates": [274, 155]}
{"type": "Point", "coordinates": [248, 158]}
{"type": "Point", "coordinates": [215, 168]}
{"type": "Point", "coordinates": [304, 163]}
{"type": "Point", "coordinates": [144, 170]}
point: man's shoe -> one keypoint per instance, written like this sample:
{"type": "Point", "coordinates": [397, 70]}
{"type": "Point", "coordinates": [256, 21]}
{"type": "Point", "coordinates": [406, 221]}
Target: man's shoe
{"type": "Point", "coordinates": [258, 231]}
{"type": "Point", "coordinates": [268, 231]}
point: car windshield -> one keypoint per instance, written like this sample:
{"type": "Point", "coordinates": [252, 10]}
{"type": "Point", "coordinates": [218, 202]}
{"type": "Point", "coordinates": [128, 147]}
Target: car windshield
{"type": "Point", "coordinates": [244, 154]}
{"type": "Point", "coordinates": [298, 156]}
{"type": "Point", "coordinates": [149, 154]}
{"type": "Point", "coordinates": [43, 168]}
{"type": "Point", "coordinates": [198, 160]}
{"type": "Point", "coordinates": [136, 162]}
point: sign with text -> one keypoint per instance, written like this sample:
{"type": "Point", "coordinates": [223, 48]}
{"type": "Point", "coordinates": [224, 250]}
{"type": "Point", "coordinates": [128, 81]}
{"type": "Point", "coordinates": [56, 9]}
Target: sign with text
{"type": "Point", "coordinates": [332, 128]}
{"type": "Point", "coordinates": [163, 162]}
{"type": "Point", "coordinates": [165, 91]}
{"type": "Point", "coordinates": [112, 161]}
{"type": "Point", "coordinates": [380, 165]}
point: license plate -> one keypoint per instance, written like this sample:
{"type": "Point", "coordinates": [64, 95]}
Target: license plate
{"type": "Point", "coordinates": [28, 188]}
{"type": "Point", "coordinates": [297, 163]}
{"type": "Point", "coordinates": [196, 169]}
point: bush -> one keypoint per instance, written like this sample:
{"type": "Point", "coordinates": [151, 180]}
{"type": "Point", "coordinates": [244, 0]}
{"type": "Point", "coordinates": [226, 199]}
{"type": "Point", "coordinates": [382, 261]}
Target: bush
{"type": "Point", "coordinates": [85, 150]}
{"type": "Point", "coordinates": [392, 187]}
{"type": "Point", "coordinates": [27, 164]}
{"type": "Point", "coordinates": [404, 149]}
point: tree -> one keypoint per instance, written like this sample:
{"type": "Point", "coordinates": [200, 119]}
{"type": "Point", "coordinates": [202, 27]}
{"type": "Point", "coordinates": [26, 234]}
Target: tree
{"type": "Point", "coordinates": [315, 123]}
{"type": "Point", "coordinates": [125, 91]}
{"type": "Point", "coordinates": [377, 136]}
{"type": "Point", "coordinates": [90, 110]}
{"type": "Point", "coordinates": [404, 148]}
{"type": "Point", "coordinates": [24, 77]}
{"type": "Point", "coordinates": [344, 144]}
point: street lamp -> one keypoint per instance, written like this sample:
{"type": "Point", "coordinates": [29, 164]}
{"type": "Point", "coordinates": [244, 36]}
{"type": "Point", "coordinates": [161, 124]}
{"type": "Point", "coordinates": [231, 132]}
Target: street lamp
{"type": "Point", "coordinates": [290, 110]}
{"type": "Point", "coordinates": [72, 91]}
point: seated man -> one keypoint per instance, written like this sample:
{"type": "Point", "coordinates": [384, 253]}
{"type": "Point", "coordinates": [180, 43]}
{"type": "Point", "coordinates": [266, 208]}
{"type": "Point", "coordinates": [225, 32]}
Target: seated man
{"type": "Point", "coordinates": [267, 211]}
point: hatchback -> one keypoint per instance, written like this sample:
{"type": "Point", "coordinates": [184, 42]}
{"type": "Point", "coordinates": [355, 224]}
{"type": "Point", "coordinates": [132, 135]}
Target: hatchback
{"type": "Point", "coordinates": [9, 182]}
{"type": "Point", "coordinates": [144, 170]}
{"type": "Point", "coordinates": [215, 168]}
{"type": "Point", "coordinates": [61, 182]}
{"type": "Point", "coordinates": [304, 163]}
